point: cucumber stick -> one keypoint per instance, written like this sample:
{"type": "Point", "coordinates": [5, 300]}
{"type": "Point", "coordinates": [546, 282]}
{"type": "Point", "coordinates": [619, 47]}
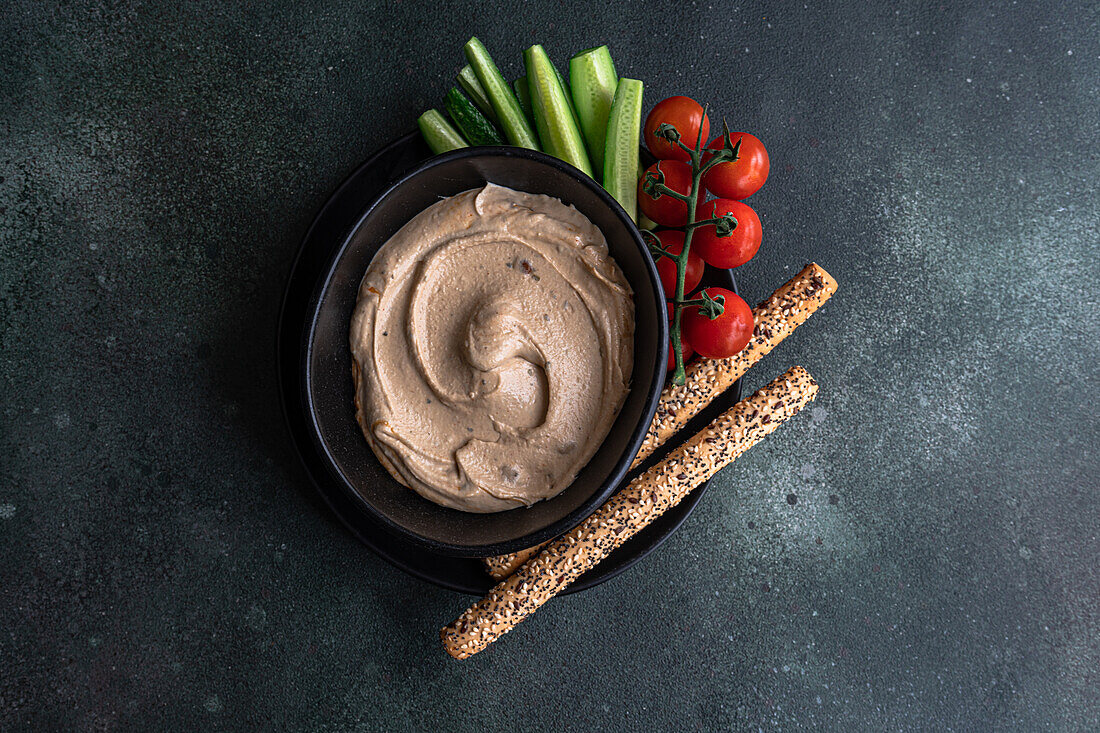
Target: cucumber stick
{"type": "Point", "coordinates": [523, 94]}
{"type": "Point", "coordinates": [620, 164]}
{"type": "Point", "coordinates": [438, 133]}
{"type": "Point", "coordinates": [473, 125]}
{"type": "Point", "coordinates": [516, 128]}
{"type": "Point", "coordinates": [569, 99]}
{"type": "Point", "coordinates": [467, 79]}
{"type": "Point", "coordinates": [554, 118]}
{"type": "Point", "coordinates": [568, 94]}
{"type": "Point", "coordinates": [593, 79]}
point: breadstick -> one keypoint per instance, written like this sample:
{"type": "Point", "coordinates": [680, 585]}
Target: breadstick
{"type": "Point", "coordinates": [501, 566]}
{"type": "Point", "coordinates": [775, 319]}
{"type": "Point", "coordinates": [643, 500]}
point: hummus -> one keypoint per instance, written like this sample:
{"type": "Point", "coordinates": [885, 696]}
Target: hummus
{"type": "Point", "coordinates": [493, 343]}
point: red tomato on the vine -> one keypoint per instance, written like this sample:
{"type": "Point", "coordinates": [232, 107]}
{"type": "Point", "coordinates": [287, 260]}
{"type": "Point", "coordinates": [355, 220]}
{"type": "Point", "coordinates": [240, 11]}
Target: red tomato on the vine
{"type": "Point", "coordinates": [685, 347]}
{"type": "Point", "coordinates": [666, 210]}
{"type": "Point", "coordinates": [683, 113]}
{"type": "Point", "coordinates": [723, 336]}
{"type": "Point", "coordinates": [741, 178]}
{"type": "Point", "coordinates": [734, 250]}
{"type": "Point", "coordinates": [673, 241]}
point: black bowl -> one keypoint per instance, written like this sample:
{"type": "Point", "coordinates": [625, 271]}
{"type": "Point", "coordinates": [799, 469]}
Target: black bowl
{"type": "Point", "coordinates": [328, 386]}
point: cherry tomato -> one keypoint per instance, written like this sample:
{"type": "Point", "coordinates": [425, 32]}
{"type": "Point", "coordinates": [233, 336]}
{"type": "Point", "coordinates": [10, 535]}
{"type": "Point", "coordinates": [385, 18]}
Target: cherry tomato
{"type": "Point", "coordinates": [741, 178]}
{"type": "Point", "coordinates": [734, 250]}
{"type": "Point", "coordinates": [683, 113]}
{"type": "Point", "coordinates": [723, 336]}
{"type": "Point", "coordinates": [685, 347]}
{"type": "Point", "coordinates": [666, 210]}
{"type": "Point", "coordinates": [673, 241]}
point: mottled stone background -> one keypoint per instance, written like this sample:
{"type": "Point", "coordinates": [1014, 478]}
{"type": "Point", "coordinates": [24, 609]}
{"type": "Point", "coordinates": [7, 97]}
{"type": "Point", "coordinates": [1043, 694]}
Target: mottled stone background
{"type": "Point", "coordinates": [917, 551]}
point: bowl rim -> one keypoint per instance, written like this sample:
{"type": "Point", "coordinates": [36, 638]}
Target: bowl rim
{"type": "Point", "coordinates": [622, 465]}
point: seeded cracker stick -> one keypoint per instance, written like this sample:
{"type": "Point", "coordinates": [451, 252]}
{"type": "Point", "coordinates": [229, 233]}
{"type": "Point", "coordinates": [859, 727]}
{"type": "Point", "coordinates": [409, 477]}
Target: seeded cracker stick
{"type": "Point", "coordinates": [775, 319]}
{"type": "Point", "coordinates": [501, 566]}
{"type": "Point", "coordinates": [643, 500]}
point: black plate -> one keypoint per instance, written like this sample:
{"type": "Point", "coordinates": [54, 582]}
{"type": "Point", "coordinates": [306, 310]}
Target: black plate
{"type": "Point", "coordinates": [321, 244]}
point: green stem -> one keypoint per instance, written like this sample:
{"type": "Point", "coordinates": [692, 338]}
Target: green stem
{"type": "Point", "coordinates": [655, 248]}
{"type": "Point", "coordinates": [703, 222]}
{"type": "Point", "coordinates": [683, 147]}
{"type": "Point", "coordinates": [664, 190]}
{"type": "Point", "coordinates": [679, 376]}
{"type": "Point", "coordinates": [721, 156]}
{"type": "Point", "coordinates": [726, 154]}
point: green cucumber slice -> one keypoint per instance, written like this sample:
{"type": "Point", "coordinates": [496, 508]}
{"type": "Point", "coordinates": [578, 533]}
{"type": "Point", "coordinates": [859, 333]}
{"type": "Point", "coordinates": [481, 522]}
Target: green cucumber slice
{"type": "Point", "coordinates": [554, 118]}
{"type": "Point", "coordinates": [620, 164]}
{"type": "Point", "coordinates": [523, 94]}
{"type": "Point", "coordinates": [473, 125]}
{"type": "Point", "coordinates": [593, 78]}
{"type": "Point", "coordinates": [467, 79]}
{"type": "Point", "coordinates": [438, 133]}
{"type": "Point", "coordinates": [568, 94]}
{"type": "Point", "coordinates": [516, 128]}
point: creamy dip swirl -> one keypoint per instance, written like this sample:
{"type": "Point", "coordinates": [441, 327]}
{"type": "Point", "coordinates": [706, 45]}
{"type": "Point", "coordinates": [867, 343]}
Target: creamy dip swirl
{"type": "Point", "coordinates": [493, 345]}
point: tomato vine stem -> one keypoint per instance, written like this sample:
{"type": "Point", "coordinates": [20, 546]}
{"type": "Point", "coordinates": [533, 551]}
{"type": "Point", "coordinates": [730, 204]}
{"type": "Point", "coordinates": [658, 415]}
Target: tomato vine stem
{"type": "Point", "coordinates": [724, 225]}
{"type": "Point", "coordinates": [678, 375]}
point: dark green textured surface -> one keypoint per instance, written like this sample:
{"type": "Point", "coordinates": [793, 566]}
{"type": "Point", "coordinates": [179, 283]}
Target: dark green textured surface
{"type": "Point", "coordinates": [163, 565]}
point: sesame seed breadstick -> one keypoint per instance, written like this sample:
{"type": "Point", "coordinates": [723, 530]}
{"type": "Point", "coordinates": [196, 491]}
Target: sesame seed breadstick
{"type": "Point", "coordinates": [774, 319]}
{"type": "Point", "coordinates": [501, 566]}
{"type": "Point", "coordinates": [644, 499]}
